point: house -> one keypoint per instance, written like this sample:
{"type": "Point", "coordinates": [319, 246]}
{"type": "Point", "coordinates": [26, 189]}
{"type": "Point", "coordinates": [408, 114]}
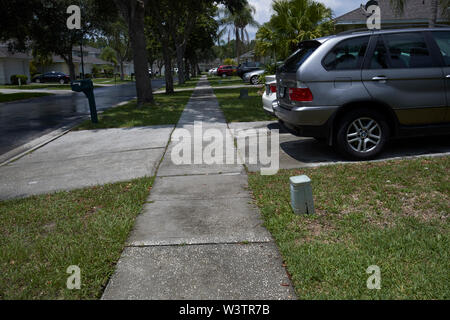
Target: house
{"type": "Point", "coordinates": [91, 57]}
{"type": "Point", "coordinates": [13, 63]}
{"type": "Point", "coordinates": [128, 68]}
{"type": "Point", "coordinates": [415, 12]}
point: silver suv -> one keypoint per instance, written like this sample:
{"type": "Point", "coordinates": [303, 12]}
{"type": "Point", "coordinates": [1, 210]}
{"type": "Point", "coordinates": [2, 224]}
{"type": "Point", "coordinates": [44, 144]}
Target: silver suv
{"type": "Point", "coordinates": [357, 90]}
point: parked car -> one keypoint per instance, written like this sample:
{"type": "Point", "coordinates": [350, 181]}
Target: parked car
{"type": "Point", "coordinates": [253, 77]}
{"type": "Point", "coordinates": [269, 97]}
{"type": "Point", "coordinates": [212, 71]}
{"type": "Point", "coordinates": [357, 90]}
{"type": "Point", "coordinates": [245, 67]}
{"type": "Point", "coordinates": [52, 77]}
{"type": "Point", "coordinates": [224, 71]}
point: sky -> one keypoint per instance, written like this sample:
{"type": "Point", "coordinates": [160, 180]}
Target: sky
{"type": "Point", "coordinates": [264, 9]}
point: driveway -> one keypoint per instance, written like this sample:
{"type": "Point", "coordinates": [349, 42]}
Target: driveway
{"type": "Point", "coordinates": [23, 121]}
{"type": "Point", "coordinates": [298, 152]}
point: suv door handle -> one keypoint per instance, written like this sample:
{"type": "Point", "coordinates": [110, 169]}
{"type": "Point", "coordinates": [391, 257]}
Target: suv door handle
{"type": "Point", "coordinates": [379, 78]}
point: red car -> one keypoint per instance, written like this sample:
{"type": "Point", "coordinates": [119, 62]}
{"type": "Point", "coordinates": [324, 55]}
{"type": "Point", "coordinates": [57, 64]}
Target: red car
{"type": "Point", "coordinates": [224, 71]}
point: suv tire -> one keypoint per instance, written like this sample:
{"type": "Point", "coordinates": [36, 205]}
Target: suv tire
{"type": "Point", "coordinates": [362, 134]}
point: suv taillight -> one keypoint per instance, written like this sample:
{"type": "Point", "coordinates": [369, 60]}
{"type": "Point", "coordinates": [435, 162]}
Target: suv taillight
{"type": "Point", "coordinates": [301, 93]}
{"type": "Point", "coordinates": [273, 88]}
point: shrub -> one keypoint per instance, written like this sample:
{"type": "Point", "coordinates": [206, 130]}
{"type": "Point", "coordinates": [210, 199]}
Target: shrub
{"type": "Point", "coordinates": [96, 71]}
{"type": "Point", "coordinates": [15, 79]}
{"type": "Point", "coordinates": [229, 61]}
{"type": "Point", "coordinates": [88, 76]}
{"type": "Point", "coordinates": [109, 71]}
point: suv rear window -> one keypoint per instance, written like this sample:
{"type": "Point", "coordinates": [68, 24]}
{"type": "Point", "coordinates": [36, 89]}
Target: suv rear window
{"type": "Point", "coordinates": [294, 62]}
{"type": "Point", "coordinates": [347, 55]}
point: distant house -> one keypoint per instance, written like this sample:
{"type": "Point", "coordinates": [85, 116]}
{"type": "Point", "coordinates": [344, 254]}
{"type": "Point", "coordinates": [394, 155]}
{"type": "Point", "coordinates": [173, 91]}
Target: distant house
{"type": "Point", "coordinates": [13, 63]}
{"type": "Point", "coordinates": [415, 12]}
{"type": "Point", "coordinates": [91, 57]}
{"type": "Point", "coordinates": [128, 68]}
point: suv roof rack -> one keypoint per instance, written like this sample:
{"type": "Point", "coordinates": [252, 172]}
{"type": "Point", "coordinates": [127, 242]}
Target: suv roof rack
{"type": "Point", "coordinates": [392, 27]}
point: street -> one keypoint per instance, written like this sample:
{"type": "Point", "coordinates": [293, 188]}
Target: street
{"type": "Point", "coordinates": [23, 121]}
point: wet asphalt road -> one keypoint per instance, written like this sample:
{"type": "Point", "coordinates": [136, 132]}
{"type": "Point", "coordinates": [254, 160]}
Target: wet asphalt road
{"type": "Point", "coordinates": [23, 121]}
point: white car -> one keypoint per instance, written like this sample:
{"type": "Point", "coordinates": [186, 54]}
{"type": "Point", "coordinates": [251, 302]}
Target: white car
{"type": "Point", "coordinates": [269, 97]}
{"type": "Point", "coordinates": [212, 72]}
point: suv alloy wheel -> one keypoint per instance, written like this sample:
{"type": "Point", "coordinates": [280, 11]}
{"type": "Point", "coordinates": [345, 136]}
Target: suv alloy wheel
{"type": "Point", "coordinates": [362, 134]}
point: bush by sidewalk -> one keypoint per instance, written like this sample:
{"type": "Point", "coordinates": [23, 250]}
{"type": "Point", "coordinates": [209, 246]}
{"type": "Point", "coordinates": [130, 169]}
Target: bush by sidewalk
{"type": "Point", "coordinates": [392, 214]}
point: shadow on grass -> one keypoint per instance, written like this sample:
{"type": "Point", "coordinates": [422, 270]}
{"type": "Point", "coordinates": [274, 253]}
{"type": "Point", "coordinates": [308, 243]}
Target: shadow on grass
{"type": "Point", "coordinates": [166, 110]}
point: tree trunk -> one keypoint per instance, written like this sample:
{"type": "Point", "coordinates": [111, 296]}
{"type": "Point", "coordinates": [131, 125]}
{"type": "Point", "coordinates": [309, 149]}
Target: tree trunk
{"type": "Point", "coordinates": [194, 70]}
{"type": "Point", "coordinates": [180, 63]}
{"type": "Point", "coordinates": [122, 74]}
{"type": "Point", "coordinates": [433, 14]}
{"type": "Point", "coordinates": [187, 71]}
{"type": "Point", "coordinates": [71, 65]}
{"type": "Point", "coordinates": [160, 65]}
{"type": "Point", "coordinates": [237, 46]}
{"type": "Point", "coordinates": [133, 12]}
{"type": "Point", "coordinates": [168, 70]}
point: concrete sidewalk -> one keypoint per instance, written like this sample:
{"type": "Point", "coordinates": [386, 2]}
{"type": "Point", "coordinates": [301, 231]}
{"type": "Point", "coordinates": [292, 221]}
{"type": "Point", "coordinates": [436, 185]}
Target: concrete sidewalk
{"type": "Point", "coordinates": [199, 236]}
{"type": "Point", "coordinates": [86, 158]}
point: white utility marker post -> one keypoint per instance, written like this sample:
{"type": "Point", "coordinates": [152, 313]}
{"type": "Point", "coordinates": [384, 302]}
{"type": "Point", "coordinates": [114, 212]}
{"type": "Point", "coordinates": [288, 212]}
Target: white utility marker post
{"type": "Point", "coordinates": [302, 201]}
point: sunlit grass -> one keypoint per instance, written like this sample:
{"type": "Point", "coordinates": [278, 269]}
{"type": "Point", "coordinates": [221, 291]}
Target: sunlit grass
{"type": "Point", "coordinates": [391, 214]}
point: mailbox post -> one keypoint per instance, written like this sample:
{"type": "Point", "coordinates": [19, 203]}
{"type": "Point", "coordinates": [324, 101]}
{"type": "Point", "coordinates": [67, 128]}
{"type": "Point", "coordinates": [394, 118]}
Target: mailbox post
{"type": "Point", "coordinates": [87, 87]}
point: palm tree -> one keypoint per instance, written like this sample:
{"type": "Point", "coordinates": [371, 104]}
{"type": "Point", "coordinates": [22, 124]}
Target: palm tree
{"type": "Point", "coordinates": [237, 22]}
{"type": "Point", "coordinates": [399, 6]}
{"type": "Point", "coordinates": [293, 22]}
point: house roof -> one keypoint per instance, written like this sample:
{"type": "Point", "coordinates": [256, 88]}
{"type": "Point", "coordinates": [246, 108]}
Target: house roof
{"type": "Point", "coordinates": [415, 11]}
{"type": "Point", "coordinates": [87, 49]}
{"type": "Point", "coordinates": [249, 54]}
{"type": "Point", "coordinates": [5, 53]}
{"type": "Point", "coordinates": [86, 59]}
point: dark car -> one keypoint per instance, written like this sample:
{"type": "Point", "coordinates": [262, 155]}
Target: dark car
{"type": "Point", "coordinates": [248, 67]}
{"type": "Point", "coordinates": [224, 71]}
{"type": "Point", "coordinates": [52, 77]}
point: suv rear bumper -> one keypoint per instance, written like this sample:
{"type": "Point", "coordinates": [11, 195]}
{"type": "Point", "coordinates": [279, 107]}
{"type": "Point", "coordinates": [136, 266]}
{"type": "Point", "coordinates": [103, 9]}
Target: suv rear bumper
{"type": "Point", "coordinates": [305, 116]}
{"type": "Point", "coordinates": [306, 121]}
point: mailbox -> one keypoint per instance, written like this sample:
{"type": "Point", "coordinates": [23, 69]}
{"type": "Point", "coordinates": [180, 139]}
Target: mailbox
{"type": "Point", "coordinates": [87, 87]}
{"type": "Point", "coordinates": [82, 85]}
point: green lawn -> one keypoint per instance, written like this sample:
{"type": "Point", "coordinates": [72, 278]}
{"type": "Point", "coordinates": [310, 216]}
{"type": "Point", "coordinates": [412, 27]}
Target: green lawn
{"type": "Point", "coordinates": [8, 97]}
{"type": "Point", "coordinates": [187, 84]}
{"type": "Point", "coordinates": [167, 110]}
{"type": "Point", "coordinates": [111, 80]}
{"type": "Point", "coordinates": [242, 110]}
{"type": "Point", "coordinates": [391, 214]}
{"type": "Point", "coordinates": [41, 236]}
{"type": "Point", "coordinates": [216, 81]}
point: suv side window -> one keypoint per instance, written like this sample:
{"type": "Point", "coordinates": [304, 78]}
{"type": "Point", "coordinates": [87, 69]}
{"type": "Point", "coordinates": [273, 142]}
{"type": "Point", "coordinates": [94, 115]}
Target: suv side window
{"type": "Point", "coordinates": [408, 50]}
{"type": "Point", "coordinates": [379, 58]}
{"type": "Point", "coordinates": [442, 39]}
{"type": "Point", "coordinates": [347, 55]}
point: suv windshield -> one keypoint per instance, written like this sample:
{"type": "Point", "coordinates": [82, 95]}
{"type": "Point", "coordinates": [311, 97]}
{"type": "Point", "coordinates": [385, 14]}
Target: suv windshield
{"type": "Point", "coordinates": [294, 62]}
